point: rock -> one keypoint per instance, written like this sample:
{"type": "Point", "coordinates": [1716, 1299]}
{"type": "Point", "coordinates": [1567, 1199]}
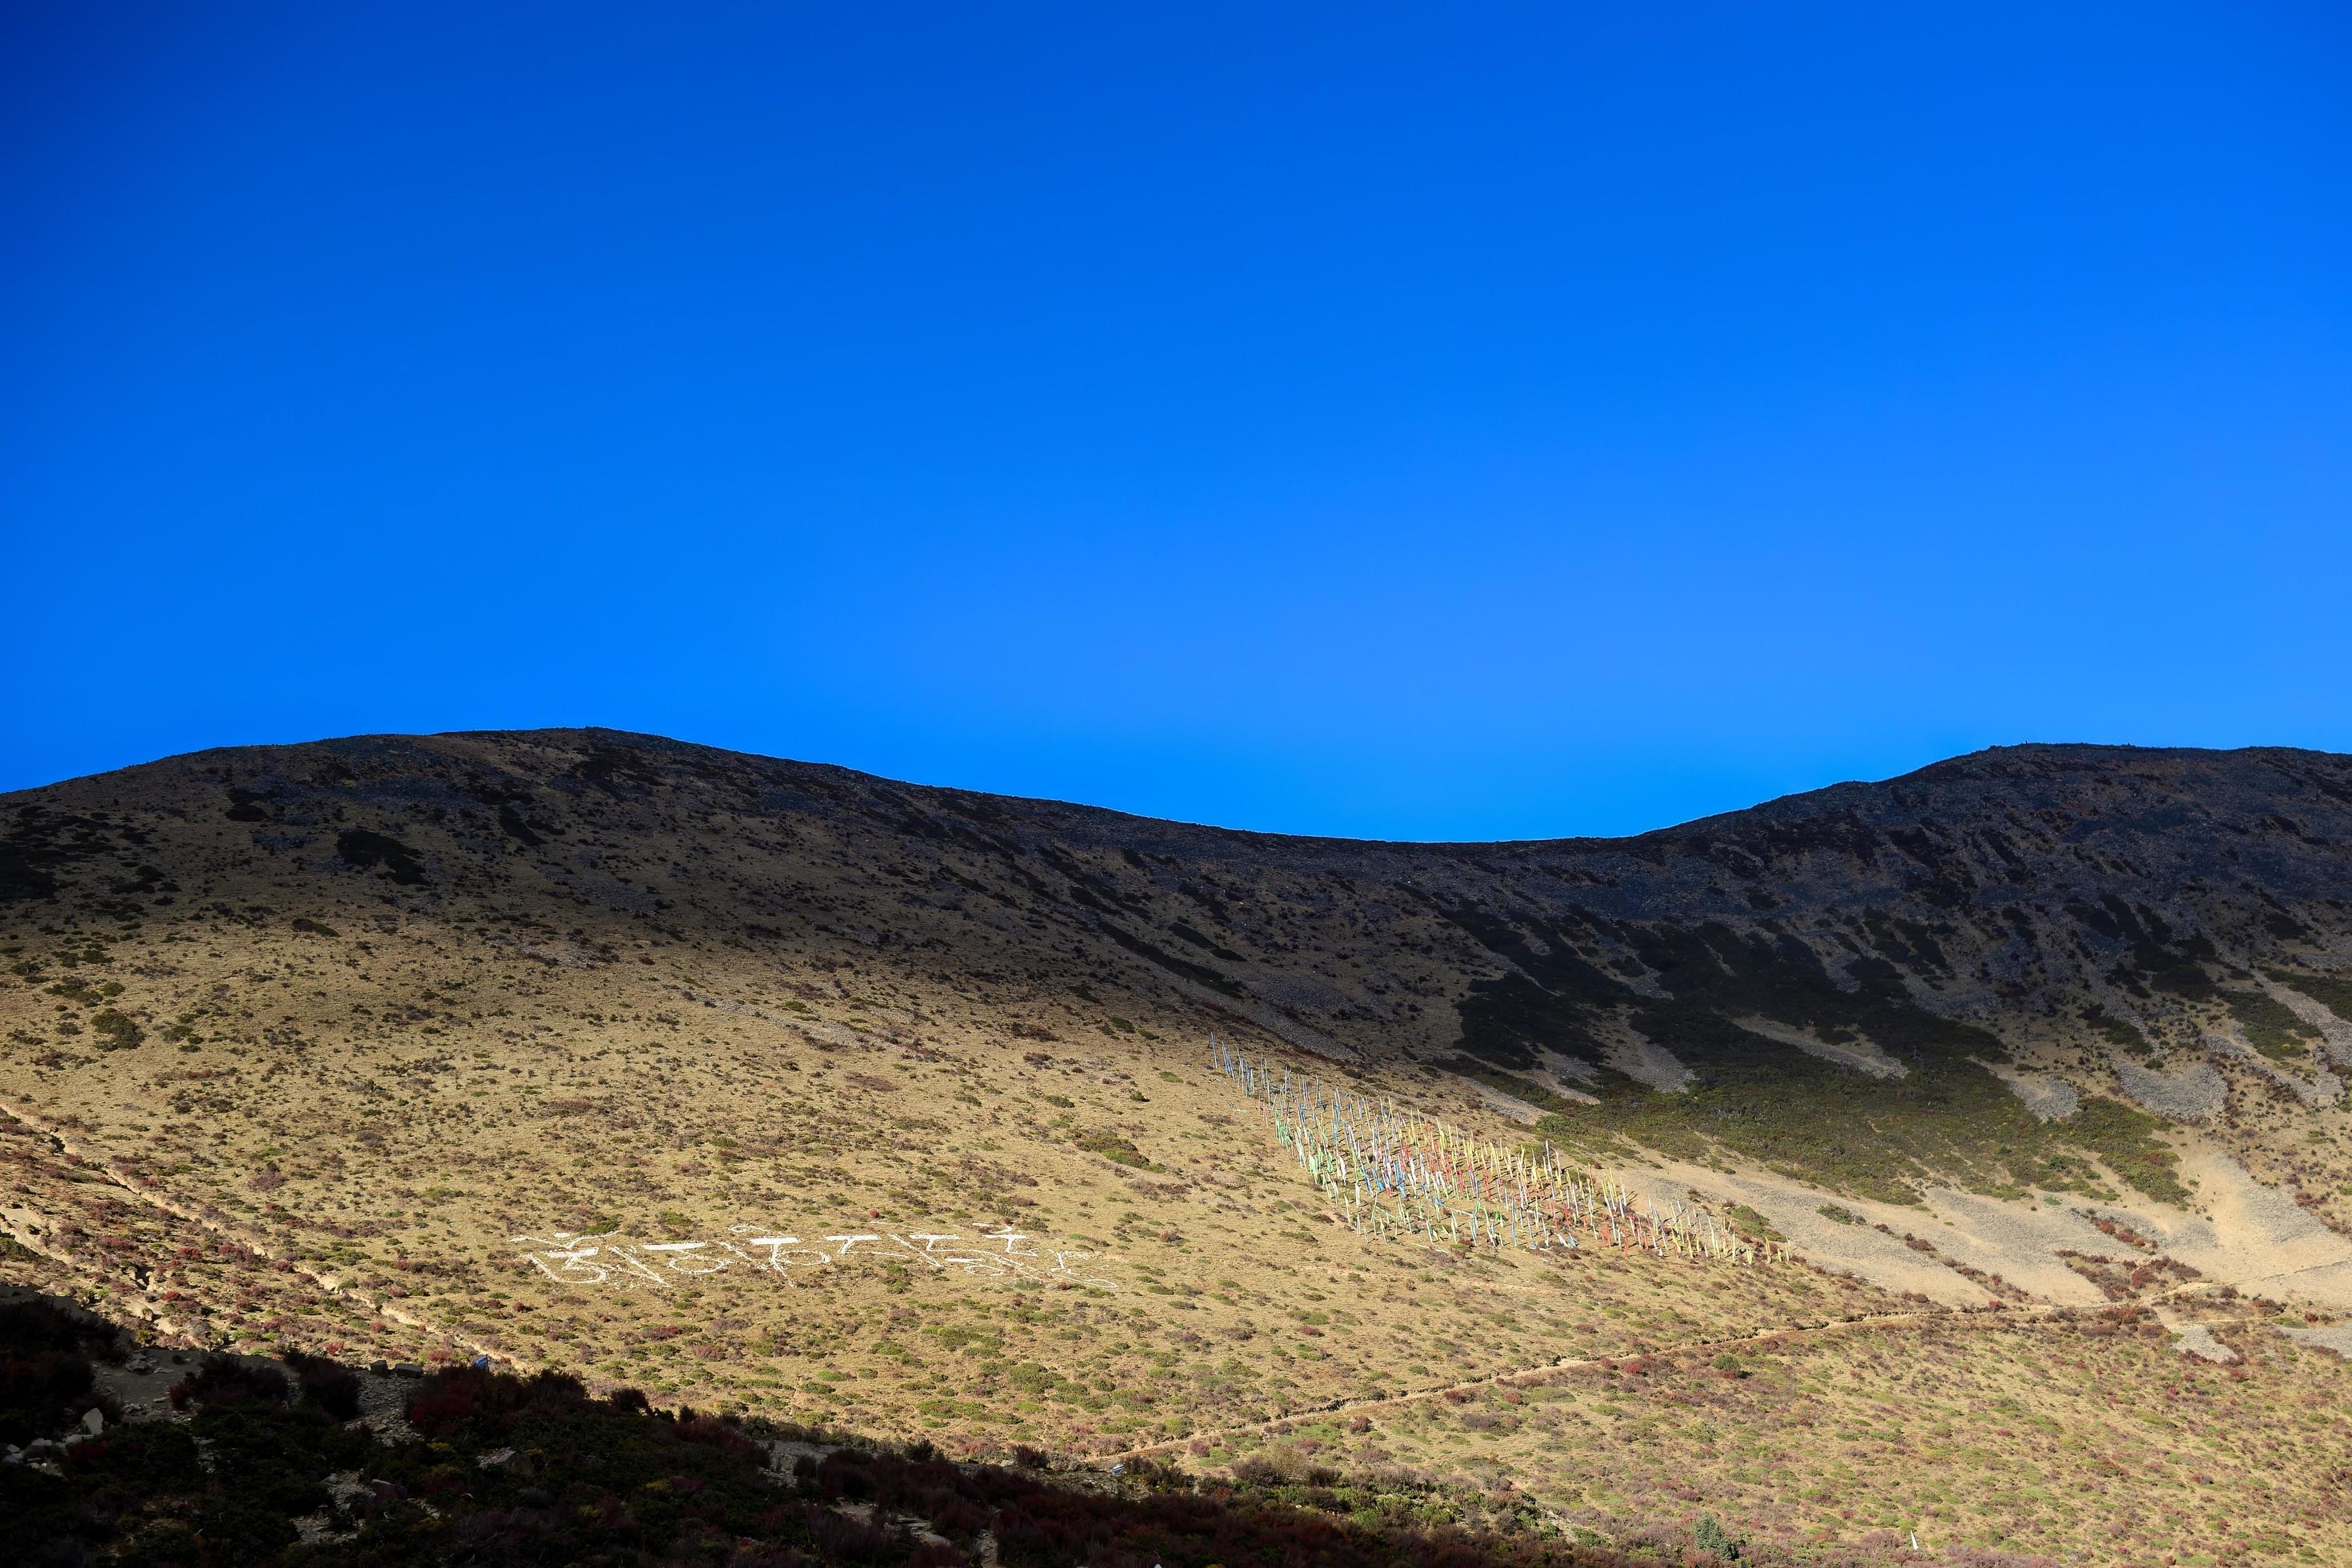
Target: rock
{"type": "Point", "coordinates": [407, 1369]}
{"type": "Point", "coordinates": [381, 1367]}
{"type": "Point", "coordinates": [93, 1420]}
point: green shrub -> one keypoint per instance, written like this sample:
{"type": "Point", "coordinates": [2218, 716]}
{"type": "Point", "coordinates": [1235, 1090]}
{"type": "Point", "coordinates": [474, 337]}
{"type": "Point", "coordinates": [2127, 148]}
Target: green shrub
{"type": "Point", "coordinates": [119, 1032]}
{"type": "Point", "coordinates": [1115, 1149]}
{"type": "Point", "coordinates": [1710, 1536]}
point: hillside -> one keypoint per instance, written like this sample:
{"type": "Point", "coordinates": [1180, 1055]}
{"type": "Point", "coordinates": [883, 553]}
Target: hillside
{"type": "Point", "coordinates": [894, 1108]}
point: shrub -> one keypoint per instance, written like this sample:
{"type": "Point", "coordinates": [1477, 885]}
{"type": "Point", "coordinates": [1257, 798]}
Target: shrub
{"type": "Point", "coordinates": [1710, 1537]}
{"type": "Point", "coordinates": [118, 1032]}
{"type": "Point", "coordinates": [45, 1372]}
{"type": "Point", "coordinates": [361, 849]}
{"type": "Point", "coordinates": [226, 1380]}
{"type": "Point", "coordinates": [1115, 1149]}
{"type": "Point", "coordinates": [329, 1384]}
{"type": "Point", "coordinates": [482, 1406]}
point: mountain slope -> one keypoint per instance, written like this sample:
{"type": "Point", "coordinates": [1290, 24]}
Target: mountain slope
{"type": "Point", "coordinates": [362, 1043]}
{"type": "Point", "coordinates": [2167, 928]}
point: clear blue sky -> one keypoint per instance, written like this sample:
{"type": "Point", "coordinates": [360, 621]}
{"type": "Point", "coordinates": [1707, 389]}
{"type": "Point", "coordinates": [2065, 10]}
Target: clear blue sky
{"type": "Point", "coordinates": [1441, 422]}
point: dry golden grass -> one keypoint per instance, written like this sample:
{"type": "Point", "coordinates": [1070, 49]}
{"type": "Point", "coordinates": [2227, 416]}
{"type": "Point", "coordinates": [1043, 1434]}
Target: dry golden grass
{"type": "Point", "coordinates": [343, 1088]}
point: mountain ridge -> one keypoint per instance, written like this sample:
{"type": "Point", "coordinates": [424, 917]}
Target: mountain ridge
{"type": "Point", "coordinates": [2121, 913]}
{"type": "Point", "coordinates": [1959, 761]}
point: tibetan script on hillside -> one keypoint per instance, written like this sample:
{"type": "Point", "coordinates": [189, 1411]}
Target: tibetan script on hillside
{"type": "Point", "coordinates": [610, 1261]}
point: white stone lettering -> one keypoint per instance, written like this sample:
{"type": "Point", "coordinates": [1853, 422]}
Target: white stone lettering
{"type": "Point", "coordinates": [607, 1262]}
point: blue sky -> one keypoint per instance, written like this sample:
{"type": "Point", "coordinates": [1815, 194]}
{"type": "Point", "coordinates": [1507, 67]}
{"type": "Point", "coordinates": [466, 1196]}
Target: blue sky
{"type": "Point", "coordinates": [1432, 422]}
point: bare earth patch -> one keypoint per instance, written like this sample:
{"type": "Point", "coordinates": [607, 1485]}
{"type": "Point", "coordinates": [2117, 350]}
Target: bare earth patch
{"type": "Point", "coordinates": [1863, 1057]}
{"type": "Point", "coordinates": [2189, 1094]}
{"type": "Point", "coordinates": [2048, 1096]}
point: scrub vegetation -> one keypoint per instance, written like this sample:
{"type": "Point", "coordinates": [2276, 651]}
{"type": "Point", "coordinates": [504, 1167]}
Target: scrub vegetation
{"type": "Point", "coordinates": [632, 1066]}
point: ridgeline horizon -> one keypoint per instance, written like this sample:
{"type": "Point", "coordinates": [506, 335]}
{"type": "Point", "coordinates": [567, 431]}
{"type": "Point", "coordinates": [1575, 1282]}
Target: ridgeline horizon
{"type": "Point", "coordinates": [2120, 748]}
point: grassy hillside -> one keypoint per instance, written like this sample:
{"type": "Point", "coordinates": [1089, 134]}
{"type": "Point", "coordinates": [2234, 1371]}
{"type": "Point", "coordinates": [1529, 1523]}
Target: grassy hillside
{"type": "Point", "coordinates": [892, 1110]}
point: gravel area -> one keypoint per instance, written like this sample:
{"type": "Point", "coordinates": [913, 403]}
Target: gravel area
{"type": "Point", "coordinates": [2336, 1337]}
{"type": "Point", "coordinates": [2323, 1088]}
{"type": "Point", "coordinates": [2051, 1098]}
{"type": "Point", "coordinates": [144, 1382]}
{"type": "Point", "coordinates": [1862, 1057]}
{"type": "Point", "coordinates": [1509, 1105]}
{"type": "Point", "coordinates": [2337, 1032]}
{"type": "Point", "coordinates": [2188, 1094]}
{"type": "Point", "coordinates": [1561, 1065]}
{"type": "Point", "coordinates": [1646, 1061]}
{"type": "Point", "coordinates": [2195, 1338]}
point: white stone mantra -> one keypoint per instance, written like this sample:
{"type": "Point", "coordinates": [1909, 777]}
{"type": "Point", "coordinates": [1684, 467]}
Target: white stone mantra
{"type": "Point", "coordinates": [607, 1261]}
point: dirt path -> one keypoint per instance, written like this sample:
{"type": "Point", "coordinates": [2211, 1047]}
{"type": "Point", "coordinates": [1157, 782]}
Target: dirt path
{"type": "Point", "coordinates": [1519, 1376]}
